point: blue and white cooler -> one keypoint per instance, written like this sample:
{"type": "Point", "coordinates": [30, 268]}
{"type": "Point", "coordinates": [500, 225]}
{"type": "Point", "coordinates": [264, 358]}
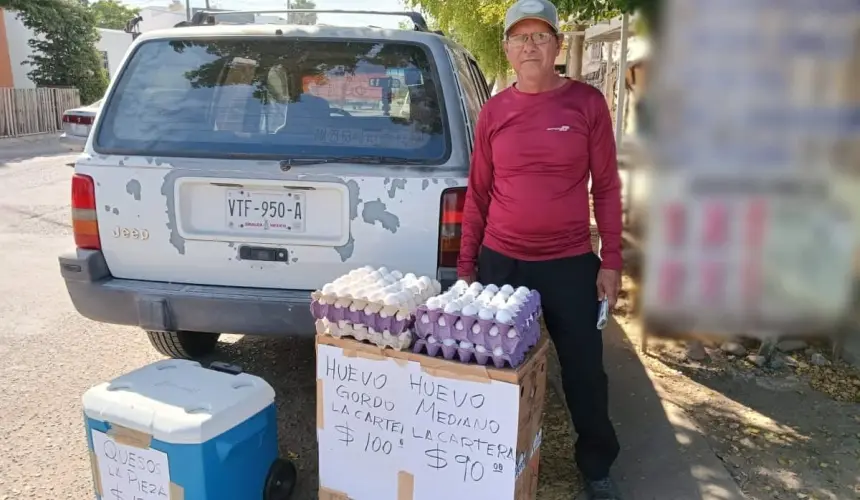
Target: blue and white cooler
{"type": "Point", "coordinates": [174, 430]}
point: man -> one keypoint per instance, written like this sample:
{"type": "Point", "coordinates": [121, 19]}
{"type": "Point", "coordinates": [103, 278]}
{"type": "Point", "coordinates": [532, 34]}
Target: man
{"type": "Point", "coordinates": [526, 219]}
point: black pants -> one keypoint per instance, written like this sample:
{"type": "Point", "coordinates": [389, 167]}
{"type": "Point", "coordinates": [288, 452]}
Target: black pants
{"type": "Point", "coordinates": [568, 292]}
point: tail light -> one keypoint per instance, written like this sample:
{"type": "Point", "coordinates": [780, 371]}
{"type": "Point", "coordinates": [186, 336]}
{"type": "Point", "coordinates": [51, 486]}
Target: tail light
{"type": "Point", "coordinates": [84, 221]}
{"type": "Point", "coordinates": [79, 119]}
{"type": "Point", "coordinates": [450, 223]}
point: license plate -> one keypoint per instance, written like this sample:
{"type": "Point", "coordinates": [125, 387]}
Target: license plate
{"type": "Point", "coordinates": [78, 129]}
{"type": "Point", "coordinates": [278, 211]}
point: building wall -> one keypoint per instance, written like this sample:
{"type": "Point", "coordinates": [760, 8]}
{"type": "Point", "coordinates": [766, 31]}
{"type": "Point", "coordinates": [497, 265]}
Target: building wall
{"type": "Point", "coordinates": [17, 36]}
{"type": "Point", "coordinates": [6, 79]}
{"type": "Point", "coordinates": [113, 45]}
{"type": "Point", "coordinates": [155, 18]}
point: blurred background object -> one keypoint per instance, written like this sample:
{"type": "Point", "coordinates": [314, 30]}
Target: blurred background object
{"type": "Point", "coordinates": [748, 205]}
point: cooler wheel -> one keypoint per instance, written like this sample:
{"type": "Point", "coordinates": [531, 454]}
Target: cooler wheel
{"type": "Point", "coordinates": [281, 480]}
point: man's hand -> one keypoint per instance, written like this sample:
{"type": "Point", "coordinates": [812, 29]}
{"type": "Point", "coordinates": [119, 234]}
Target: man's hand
{"type": "Point", "coordinates": [608, 285]}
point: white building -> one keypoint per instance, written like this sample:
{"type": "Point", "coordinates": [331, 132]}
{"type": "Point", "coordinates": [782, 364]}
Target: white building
{"type": "Point", "coordinates": [112, 45]}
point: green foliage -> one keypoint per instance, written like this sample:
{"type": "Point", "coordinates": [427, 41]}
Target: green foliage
{"type": "Point", "coordinates": [64, 53]}
{"type": "Point", "coordinates": [111, 14]}
{"type": "Point", "coordinates": [307, 18]}
{"type": "Point", "coordinates": [478, 24]}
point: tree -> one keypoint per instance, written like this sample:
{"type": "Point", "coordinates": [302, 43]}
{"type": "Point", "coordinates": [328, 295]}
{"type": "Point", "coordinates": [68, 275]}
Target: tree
{"type": "Point", "coordinates": [63, 43]}
{"type": "Point", "coordinates": [478, 24]}
{"type": "Point", "coordinates": [111, 14]}
{"type": "Point", "coordinates": [306, 18]}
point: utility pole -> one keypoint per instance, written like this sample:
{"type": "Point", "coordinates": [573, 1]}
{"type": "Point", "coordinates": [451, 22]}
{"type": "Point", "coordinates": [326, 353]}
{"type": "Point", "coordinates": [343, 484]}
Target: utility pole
{"type": "Point", "coordinates": [289, 6]}
{"type": "Point", "coordinates": [187, 10]}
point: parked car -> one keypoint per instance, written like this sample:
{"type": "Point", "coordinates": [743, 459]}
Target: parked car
{"type": "Point", "coordinates": [228, 175]}
{"type": "Point", "coordinates": [77, 124]}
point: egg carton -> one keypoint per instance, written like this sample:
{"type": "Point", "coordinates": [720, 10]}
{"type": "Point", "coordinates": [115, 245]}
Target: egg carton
{"type": "Point", "coordinates": [486, 332]}
{"type": "Point", "coordinates": [397, 341]}
{"type": "Point", "coordinates": [466, 352]}
{"type": "Point", "coordinates": [360, 312]}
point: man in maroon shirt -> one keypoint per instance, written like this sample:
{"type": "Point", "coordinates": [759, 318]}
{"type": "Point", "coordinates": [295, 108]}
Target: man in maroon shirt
{"type": "Point", "coordinates": [526, 220]}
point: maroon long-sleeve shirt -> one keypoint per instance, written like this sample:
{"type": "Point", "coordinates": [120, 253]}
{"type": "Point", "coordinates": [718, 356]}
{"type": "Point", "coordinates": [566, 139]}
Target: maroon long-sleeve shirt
{"type": "Point", "coordinates": [528, 186]}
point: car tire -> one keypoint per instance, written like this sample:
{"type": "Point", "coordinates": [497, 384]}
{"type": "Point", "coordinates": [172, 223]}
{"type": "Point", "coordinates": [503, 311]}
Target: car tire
{"type": "Point", "coordinates": [183, 345]}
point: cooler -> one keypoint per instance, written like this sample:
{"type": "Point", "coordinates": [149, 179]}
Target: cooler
{"type": "Point", "coordinates": [176, 430]}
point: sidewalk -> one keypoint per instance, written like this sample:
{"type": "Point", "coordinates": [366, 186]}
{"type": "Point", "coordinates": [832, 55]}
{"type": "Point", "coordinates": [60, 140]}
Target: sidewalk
{"type": "Point", "coordinates": [664, 456]}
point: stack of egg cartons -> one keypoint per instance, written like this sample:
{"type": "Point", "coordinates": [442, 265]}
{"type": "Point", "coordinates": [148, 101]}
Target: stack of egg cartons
{"type": "Point", "coordinates": [376, 305]}
{"type": "Point", "coordinates": [484, 322]}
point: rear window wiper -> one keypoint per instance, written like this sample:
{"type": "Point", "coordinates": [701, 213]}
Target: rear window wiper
{"type": "Point", "coordinates": [369, 159]}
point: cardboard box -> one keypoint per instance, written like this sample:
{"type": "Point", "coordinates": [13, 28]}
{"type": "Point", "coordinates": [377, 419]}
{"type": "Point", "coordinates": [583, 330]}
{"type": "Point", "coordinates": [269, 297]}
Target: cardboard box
{"type": "Point", "coordinates": [395, 425]}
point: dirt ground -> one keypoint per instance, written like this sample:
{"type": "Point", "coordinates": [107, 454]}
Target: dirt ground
{"type": "Point", "coordinates": [789, 432]}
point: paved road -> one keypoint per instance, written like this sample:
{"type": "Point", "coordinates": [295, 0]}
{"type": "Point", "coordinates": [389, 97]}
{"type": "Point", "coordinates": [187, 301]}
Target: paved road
{"type": "Point", "coordinates": [51, 355]}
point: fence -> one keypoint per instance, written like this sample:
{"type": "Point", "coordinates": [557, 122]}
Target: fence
{"type": "Point", "coordinates": [34, 111]}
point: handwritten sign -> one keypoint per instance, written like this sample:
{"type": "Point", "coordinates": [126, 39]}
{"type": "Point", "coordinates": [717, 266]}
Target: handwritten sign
{"type": "Point", "coordinates": [457, 438]}
{"type": "Point", "coordinates": [129, 473]}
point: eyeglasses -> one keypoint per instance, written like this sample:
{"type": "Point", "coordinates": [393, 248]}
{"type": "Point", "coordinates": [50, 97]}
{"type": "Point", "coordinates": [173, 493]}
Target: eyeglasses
{"type": "Point", "coordinates": [537, 38]}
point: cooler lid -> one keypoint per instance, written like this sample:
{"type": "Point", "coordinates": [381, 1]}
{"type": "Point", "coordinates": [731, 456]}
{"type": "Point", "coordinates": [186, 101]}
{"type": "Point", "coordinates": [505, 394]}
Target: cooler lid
{"type": "Point", "coordinates": [178, 401]}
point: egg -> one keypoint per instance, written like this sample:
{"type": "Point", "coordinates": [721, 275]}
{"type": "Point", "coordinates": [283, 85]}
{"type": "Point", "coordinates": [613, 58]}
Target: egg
{"type": "Point", "coordinates": [460, 286]}
{"type": "Point", "coordinates": [426, 281]}
{"type": "Point", "coordinates": [491, 288]}
{"type": "Point", "coordinates": [328, 289]}
{"type": "Point", "coordinates": [507, 289]}
{"type": "Point", "coordinates": [504, 316]}
{"type": "Point", "coordinates": [382, 270]}
{"type": "Point", "coordinates": [498, 351]}
{"type": "Point", "coordinates": [470, 310]}
{"type": "Point", "coordinates": [375, 276]}
{"type": "Point", "coordinates": [452, 307]}
{"type": "Point", "coordinates": [431, 339]}
{"type": "Point", "coordinates": [523, 291]}
{"type": "Point", "coordinates": [481, 349]}
{"type": "Point", "coordinates": [449, 342]}
{"type": "Point", "coordinates": [466, 345]}
{"type": "Point", "coordinates": [390, 299]}
{"type": "Point", "coordinates": [377, 296]}
{"type": "Point", "coordinates": [409, 277]}
{"type": "Point", "coordinates": [433, 304]}
{"type": "Point", "coordinates": [437, 287]}
{"type": "Point", "coordinates": [397, 274]}
{"type": "Point", "coordinates": [485, 313]}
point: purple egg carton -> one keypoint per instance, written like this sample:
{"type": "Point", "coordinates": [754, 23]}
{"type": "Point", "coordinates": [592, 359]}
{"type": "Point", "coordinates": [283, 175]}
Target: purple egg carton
{"type": "Point", "coordinates": [335, 314]}
{"type": "Point", "coordinates": [488, 333]}
{"type": "Point", "coordinates": [464, 355]}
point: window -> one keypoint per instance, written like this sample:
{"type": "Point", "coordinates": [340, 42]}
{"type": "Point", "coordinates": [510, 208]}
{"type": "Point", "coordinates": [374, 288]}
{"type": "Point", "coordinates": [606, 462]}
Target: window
{"type": "Point", "coordinates": [470, 90]}
{"type": "Point", "coordinates": [105, 62]}
{"type": "Point", "coordinates": [277, 98]}
{"type": "Point", "coordinates": [480, 80]}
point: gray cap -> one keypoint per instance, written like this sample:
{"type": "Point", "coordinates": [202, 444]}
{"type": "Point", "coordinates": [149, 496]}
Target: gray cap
{"type": "Point", "coordinates": [540, 10]}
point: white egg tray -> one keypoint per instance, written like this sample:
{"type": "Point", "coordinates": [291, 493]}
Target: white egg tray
{"type": "Point", "coordinates": [377, 298]}
{"type": "Point", "coordinates": [484, 322]}
{"type": "Point", "coordinates": [400, 342]}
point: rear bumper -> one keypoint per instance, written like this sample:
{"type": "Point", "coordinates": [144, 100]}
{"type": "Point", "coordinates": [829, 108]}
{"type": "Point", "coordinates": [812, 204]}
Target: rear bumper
{"type": "Point", "coordinates": [73, 142]}
{"type": "Point", "coordinates": [175, 307]}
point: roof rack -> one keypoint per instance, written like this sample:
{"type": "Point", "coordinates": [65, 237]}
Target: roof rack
{"type": "Point", "coordinates": [209, 17]}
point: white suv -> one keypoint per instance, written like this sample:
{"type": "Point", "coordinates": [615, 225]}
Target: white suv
{"type": "Point", "coordinates": [235, 168]}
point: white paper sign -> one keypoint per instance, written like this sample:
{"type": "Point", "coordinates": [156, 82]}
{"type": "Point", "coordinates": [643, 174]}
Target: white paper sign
{"type": "Point", "coordinates": [456, 438]}
{"type": "Point", "coordinates": [129, 473]}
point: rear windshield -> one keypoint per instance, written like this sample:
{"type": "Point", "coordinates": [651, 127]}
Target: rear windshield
{"type": "Point", "coordinates": [276, 98]}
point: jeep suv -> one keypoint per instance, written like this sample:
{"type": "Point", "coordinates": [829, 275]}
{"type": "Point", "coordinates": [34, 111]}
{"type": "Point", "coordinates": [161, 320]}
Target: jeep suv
{"type": "Point", "coordinates": [233, 169]}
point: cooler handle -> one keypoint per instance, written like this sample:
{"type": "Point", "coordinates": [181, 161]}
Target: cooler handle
{"type": "Point", "coordinates": [221, 366]}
